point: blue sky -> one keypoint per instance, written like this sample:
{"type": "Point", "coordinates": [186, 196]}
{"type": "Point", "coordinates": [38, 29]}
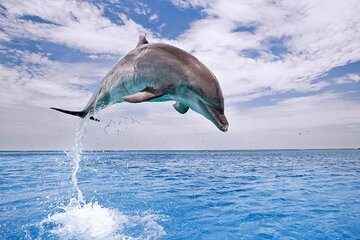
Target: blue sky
{"type": "Point", "coordinates": [289, 71]}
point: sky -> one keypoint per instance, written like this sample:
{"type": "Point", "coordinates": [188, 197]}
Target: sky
{"type": "Point", "coordinates": [289, 72]}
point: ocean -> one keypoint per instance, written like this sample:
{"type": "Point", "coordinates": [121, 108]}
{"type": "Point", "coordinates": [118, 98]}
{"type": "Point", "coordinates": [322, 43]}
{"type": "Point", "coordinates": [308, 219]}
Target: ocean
{"type": "Point", "coordinates": [279, 194]}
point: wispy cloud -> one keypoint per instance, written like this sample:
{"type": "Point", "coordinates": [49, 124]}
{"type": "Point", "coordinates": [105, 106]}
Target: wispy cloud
{"type": "Point", "coordinates": [189, 3]}
{"type": "Point", "coordinates": [37, 81]}
{"type": "Point", "coordinates": [347, 78]}
{"type": "Point", "coordinates": [153, 17]}
{"type": "Point", "coordinates": [314, 36]}
{"type": "Point", "coordinates": [77, 24]}
{"type": "Point", "coordinates": [142, 8]}
{"type": "Point", "coordinates": [4, 37]}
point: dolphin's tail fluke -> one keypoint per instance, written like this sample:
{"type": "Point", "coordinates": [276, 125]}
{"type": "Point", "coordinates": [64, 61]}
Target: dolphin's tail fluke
{"type": "Point", "coordinates": [81, 114]}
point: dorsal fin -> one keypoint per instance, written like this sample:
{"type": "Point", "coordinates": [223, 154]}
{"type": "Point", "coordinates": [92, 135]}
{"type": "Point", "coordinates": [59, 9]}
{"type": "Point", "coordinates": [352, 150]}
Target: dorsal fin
{"type": "Point", "coordinates": [142, 40]}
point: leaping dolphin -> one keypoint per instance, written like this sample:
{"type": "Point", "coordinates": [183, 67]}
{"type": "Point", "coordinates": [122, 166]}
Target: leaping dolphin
{"type": "Point", "coordinates": [160, 72]}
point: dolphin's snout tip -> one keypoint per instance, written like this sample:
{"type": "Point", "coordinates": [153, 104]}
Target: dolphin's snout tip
{"type": "Point", "coordinates": [221, 121]}
{"type": "Point", "coordinates": [224, 128]}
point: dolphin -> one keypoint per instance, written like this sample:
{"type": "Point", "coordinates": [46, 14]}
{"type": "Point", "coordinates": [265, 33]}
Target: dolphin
{"type": "Point", "coordinates": [158, 72]}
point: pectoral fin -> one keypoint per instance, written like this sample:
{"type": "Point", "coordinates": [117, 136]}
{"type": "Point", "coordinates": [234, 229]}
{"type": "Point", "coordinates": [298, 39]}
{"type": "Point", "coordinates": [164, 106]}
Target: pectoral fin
{"type": "Point", "coordinates": [143, 96]}
{"type": "Point", "coordinates": [181, 108]}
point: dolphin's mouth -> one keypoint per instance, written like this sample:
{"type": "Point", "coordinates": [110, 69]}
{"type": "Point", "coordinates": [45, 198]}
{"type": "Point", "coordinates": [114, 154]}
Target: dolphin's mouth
{"type": "Point", "coordinates": [218, 118]}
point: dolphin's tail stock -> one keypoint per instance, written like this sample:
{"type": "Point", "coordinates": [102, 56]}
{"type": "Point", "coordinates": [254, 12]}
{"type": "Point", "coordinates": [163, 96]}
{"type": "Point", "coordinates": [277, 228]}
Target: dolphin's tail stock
{"type": "Point", "coordinates": [81, 114]}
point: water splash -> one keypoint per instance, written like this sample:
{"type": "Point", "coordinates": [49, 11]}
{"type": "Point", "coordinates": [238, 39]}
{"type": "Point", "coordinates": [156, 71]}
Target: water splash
{"type": "Point", "coordinates": [92, 221]}
{"type": "Point", "coordinates": [82, 220]}
{"type": "Point", "coordinates": [75, 154]}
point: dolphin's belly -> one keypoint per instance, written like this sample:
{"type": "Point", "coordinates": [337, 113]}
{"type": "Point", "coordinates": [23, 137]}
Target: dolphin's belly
{"type": "Point", "coordinates": [129, 87]}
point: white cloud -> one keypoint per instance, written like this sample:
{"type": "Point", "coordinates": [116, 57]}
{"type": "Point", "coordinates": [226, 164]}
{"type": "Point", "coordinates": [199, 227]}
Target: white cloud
{"type": "Point", "coordinates": [326, 120]}
{"type": "Point", "coordinates": [323, 110]}
{"type": "Point", "coordinates": [347, 78]}
{"type": "Point", "coordinates": [153, 17]}
{"type": "Point", "coordinates": [142, 8]}
{"type": "Point", "coordinates": [318, 36]}
{"type": "Point", "coordinates": [161, 27]}
{"type": "Point", "coordinates": [77, 24]}
{"type": "Point", "coordinates": [189, 3]}
{"type": "Point", "coordinates": [4, 37]}
{"type": "Point", "coordinates": [38, 81]}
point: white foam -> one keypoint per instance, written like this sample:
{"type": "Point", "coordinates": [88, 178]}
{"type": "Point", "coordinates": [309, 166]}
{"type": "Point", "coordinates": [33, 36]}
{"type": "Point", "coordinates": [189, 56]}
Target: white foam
{"type": "Point", "coordinates": [92, 221]}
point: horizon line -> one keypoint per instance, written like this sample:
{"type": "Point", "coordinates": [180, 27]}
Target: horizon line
{"type": "Point", "coordinates": [182, 150]}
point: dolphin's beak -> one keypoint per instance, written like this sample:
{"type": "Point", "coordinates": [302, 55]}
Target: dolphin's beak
{"type": "Point", "coordinates": [218, 118]}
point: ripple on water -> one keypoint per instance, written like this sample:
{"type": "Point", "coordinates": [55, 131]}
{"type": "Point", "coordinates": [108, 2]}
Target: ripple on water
{"type": "Point", "coordinates": [227, 195]}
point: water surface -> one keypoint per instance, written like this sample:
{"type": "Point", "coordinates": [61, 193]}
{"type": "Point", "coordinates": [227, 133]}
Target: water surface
{"type": "Point", "coordinates": [308, 194]}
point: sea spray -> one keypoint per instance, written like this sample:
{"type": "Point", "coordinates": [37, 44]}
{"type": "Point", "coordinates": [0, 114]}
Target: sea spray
{"type": "Point", "coordinates": [89, 220]}
{"type": "Point", "coordinates": [75, 154]}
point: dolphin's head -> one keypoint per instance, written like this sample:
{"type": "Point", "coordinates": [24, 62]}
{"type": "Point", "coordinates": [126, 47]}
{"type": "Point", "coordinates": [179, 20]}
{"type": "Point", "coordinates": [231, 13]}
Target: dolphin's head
{"type": "Point", "coordinates": [212, 107]}
{"type": "Point", "coordinates": [192, 83]}
{"type": "Point", "coordinates": [214, 113]}
{"type": "Point", "coordinates": [205, 97]}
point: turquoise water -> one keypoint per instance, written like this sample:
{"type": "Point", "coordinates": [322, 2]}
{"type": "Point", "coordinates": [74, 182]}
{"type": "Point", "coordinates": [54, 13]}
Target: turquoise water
{"type": "Point", "coordinates": [181, 195]}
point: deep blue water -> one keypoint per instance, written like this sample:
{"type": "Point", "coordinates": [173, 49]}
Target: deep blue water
{"type": "Point", "coordinates": [308, 194]}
